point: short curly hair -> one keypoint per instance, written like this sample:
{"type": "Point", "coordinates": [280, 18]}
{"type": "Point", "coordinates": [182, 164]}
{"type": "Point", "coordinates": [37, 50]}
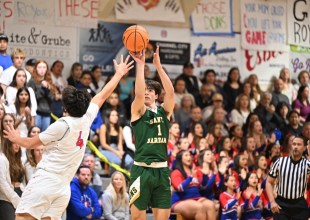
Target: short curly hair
{"type": "Point", "coordinates": [75, 101]}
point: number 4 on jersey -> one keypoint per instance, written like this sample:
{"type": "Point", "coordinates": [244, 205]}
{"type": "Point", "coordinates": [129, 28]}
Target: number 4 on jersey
{"type": "Point", "coordinates": [80, 142]}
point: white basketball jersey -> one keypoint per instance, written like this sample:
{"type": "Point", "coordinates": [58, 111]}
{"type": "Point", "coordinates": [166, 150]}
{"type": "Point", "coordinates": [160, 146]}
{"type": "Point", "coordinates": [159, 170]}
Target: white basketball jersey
{"type": "Point", "coordinates": [65, 155]}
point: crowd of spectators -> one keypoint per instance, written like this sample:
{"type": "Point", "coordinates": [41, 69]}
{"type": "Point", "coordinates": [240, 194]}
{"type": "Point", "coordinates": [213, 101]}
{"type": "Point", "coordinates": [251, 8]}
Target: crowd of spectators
{"type": "Point", "coordinates": [223, 137]}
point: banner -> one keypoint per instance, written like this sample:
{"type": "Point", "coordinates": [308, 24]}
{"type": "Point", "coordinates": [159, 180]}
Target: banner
{"type": "Point", "coordinates": [153, 10]}
{"type": "Point", "coordinates": [299, 60]}
{"type": "Point", "coordinates": [263, 25]}
{"type": "Point", "coordinates": [6, 13]}
{"type": "Point", "coordinates": [99, 46]}
{"type": "Point", "coordinates": [212, 17]}
{"type": "Point", "coordinates": [45, 42]}
{"type": "Point", "coordinates": [265, 64]}
{"type": "Point", "coordinates": [218, 53]}
{"type": "Point", "coordinates": [76, 13]}
{"type": "Point", "coordinates": [299, 22]}
{"type": "Point", "coordinates": [34, 12]}
{"type": "Point", "coordinates": [170, 52]}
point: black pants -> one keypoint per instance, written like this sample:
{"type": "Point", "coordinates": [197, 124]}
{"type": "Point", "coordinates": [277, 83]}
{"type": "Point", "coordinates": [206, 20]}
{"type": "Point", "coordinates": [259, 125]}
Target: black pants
{"type": "Point", "coordinates": [291, 209]}
{"type": "Point", "coordinates": [7, 211]}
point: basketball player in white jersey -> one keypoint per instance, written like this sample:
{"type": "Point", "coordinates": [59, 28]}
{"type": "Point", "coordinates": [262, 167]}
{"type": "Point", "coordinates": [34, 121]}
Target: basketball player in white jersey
{"type": "Point", "coordinates": [48, 192]}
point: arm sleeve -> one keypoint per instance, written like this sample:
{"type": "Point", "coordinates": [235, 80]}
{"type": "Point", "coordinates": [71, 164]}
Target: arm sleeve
{"type": "Point", "coordinates": [91, 112]}
{"type": "Point", "coordinates": [210, 182]}
{"type": "Point", "coordinates": [127, 133]}
{"type": "Point", "coordinates": [274, 169]}
{"type": "Point", "coordinates": [5, 183]}
{"type": "Point", "coordinates": [54, 132]}
{"type": "Point", "coordinates": [107, 201]}
{"type": "Point", "coordinates": [97, 208]}
{"type": "Point", "coordinates": [178, 181]}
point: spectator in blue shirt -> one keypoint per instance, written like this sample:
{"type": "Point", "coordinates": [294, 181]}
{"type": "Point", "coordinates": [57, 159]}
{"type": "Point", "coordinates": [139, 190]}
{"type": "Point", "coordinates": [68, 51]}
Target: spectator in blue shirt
{"type": "Point", "coordinates": [84, 201]}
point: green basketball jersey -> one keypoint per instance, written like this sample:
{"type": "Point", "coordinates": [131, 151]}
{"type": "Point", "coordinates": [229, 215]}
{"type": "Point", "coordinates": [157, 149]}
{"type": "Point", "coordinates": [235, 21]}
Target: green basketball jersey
{"type": "Point", "coordinates": [151, 133]}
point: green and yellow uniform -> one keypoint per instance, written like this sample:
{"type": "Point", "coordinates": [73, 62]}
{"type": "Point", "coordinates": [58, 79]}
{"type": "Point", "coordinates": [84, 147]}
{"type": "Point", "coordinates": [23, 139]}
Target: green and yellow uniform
{"type": "Point", "coordinates": [150, 175]}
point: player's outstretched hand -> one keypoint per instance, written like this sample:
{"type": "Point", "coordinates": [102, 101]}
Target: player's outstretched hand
{"type": "Point", "coordinates": [139, 57]}
{"type": "Point", "coordinates": [156, 58]}
{"type": "Point", "coordinates": [10, 133]}
{"type": "Point", "coordinates": [123, 67]}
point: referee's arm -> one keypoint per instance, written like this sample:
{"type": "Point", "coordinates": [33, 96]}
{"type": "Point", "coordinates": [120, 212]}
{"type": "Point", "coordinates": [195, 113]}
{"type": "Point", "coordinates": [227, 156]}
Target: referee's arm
{"type": "Point", "coordinates": [270, 188]}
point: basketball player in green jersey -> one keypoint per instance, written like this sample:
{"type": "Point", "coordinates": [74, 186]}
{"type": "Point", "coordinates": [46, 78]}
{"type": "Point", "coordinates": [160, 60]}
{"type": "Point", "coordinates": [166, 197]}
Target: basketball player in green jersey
{"type": "Point", "coordinates": [150, 175]}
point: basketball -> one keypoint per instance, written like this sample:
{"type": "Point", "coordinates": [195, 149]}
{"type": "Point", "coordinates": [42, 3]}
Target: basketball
{"type": "Point", "coordinates": [135, 38]}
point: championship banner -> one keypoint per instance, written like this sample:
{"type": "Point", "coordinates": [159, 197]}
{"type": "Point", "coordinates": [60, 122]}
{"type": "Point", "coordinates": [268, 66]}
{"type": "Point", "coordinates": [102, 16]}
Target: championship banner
{"type": "Point", "coordinates": [265, 64]}
{"type": "Point", "coordinates": [263, 25]}
{"type": "Point", "coordinates": [299, 60]}
{"type": "Point", "coordinates": [218, 53]}
{"type": "Point", "coordinates": [151, 10]}
{"type": "Point", "coordinates": [212, 17]}
{"type": "Point", "coordinates": [298, 22]}
{"type": "Point", "coordinates": [99, 46]}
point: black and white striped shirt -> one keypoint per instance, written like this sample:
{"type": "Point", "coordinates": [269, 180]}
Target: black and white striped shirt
{"type": "Point", "coordinates": [291, 175]}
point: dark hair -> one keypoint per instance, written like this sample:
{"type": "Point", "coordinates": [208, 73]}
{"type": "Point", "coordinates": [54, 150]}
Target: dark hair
{"type": "Point", "coordinates": [109, 126]}
{"type": "Point", "coordinates": [74, 66]}
{"type": "Point", "coordinates": [1, 91]}
{"type": "Point", "coordinates": [302, 138]}
{"type": "Point", "coordinates": [75, 101]}
{"type": "Point", "coordinates": [178, 163]}
{"type": "Point", "coordinates": [229, 74]}
{"type": "Point", "coordinates": [292, 112]}
{"type": "Point", "coordinates": [14, 83]}
{"type": "Point", "coordinates": [152, 84]}
{"type": "Point", "coordinates": [206, 73]}
{"type": "Point", "coordinates": [300, 91]}
{"type": "Point", "coordinates": [17, 101]}
{"type": "Point", "coordinates": [246, 181]}
{"type": "Point", "coordinates": [95, 83]}
{"type": "Point", "coordinates": [280, 105]}
{"type": "Point", "coordinates": [82, 167]}
{"type": "Point", "coordinates": [54, 64]}
{"type": "Point", "coordinates": [30, 129]}
{"type": "Point", "coordinates": [86, 72]}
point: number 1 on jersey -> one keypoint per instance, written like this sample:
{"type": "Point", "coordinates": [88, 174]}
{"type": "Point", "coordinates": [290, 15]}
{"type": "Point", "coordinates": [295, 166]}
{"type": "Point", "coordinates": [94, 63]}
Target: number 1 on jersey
{"type": "Point", "coordinates": [159, 130]}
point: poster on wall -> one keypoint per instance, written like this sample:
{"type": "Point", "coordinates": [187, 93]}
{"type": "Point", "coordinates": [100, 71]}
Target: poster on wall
{"type": "Point", "coordinates": [263, 25]}
{"type": "Point", "coordinates": [76, 13]}
{"type": "Point", "coordinates": [212, 17]}
{"type": "Point", "coordinates": [6, 14]}
{"type": "Point", "coordinates": [100, 45]}
{"type": "Point", "coordinates": [175, 53]}
{"type": "Point", "coordinates": [154, 10]}
{"type": "Point", "coordinates": [265, 64]}
{"type": "Point", "coordinates": [49, 43]}
{"type": "Point", "coordinates": [299, 60]}
{"type": "Point", "coordinates": [217, 53]}
{"type": "Point", "coordinates": [298, 22]}
{"type": "Point", "coordinates": [38, 12]}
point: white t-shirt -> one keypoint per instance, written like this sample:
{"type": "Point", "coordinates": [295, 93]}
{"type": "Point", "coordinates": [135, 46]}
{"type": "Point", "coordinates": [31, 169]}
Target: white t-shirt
{"type": "Point", "coordinates": [65, 142]}
{"type": "Point", "coordinates": [8, 74]}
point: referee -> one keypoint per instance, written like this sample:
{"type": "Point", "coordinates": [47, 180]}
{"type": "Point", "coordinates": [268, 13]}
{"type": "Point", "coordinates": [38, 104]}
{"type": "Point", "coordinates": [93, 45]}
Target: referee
{"type": "Point", "coordinates": [291, 175]}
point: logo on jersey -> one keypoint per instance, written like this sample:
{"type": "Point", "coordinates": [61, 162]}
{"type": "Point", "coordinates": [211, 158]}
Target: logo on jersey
{"type": "Point", "coordinates": [80, 141]}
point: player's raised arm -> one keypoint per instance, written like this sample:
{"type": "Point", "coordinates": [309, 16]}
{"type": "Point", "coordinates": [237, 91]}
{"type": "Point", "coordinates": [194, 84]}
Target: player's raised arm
{"type": "Point", "coordinates": [168, 104]}
{"type": "Point", "coordinates": [137, 106]}
{"type": "Point", "coordinates": [121, 69]}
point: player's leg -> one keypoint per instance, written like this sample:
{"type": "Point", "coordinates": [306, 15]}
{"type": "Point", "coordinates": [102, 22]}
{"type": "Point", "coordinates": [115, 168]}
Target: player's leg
{"type": "Point", "coordinates": [139, 192]}
{"type": "Point", "coordinates": [137, 214]}
{"type": "Point", "coordinates": [161, 213]}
